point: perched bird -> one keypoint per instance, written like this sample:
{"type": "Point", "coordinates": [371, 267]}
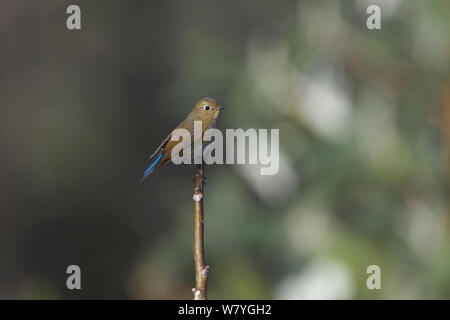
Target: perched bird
{"type": "Point", "coordinates": [205, 110]}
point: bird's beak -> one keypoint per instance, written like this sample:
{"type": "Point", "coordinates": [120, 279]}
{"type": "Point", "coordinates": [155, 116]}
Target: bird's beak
{"type": "Point", "coordinates": [221, 107]}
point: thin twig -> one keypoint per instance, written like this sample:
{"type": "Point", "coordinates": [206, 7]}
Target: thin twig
{"type": "Point", "coordinates": [201, 270]}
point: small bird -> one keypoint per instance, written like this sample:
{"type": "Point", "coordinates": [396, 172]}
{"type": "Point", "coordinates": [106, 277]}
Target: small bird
{"type": "Point", "coordinates": [205, 110]}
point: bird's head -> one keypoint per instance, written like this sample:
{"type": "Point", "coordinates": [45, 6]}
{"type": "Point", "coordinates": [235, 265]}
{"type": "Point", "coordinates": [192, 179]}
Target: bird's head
{"type": "Point", "coordinates": [207, 110]}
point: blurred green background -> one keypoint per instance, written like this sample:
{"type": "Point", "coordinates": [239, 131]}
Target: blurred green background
{"type": "Point", "coordinates": [364, 119]}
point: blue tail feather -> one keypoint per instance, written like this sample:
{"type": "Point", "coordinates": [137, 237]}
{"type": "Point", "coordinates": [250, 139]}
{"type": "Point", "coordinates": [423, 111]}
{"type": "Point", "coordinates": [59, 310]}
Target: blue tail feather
{"type": "Point", "coordinates": [151, 167]}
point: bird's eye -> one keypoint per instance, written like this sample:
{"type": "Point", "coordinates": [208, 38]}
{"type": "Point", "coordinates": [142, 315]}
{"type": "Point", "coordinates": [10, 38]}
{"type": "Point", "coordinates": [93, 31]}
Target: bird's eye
{"type": "Point", "coordinates": [206, 108]}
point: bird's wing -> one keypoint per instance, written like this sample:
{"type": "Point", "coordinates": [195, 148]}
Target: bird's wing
{"type": "Point", "coordinates": [161, 146]}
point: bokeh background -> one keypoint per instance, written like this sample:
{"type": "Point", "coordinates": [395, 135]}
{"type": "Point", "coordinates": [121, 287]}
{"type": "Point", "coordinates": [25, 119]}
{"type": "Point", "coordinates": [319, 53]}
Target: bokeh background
{"type": "Point", "coordinates": [364, 119]}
